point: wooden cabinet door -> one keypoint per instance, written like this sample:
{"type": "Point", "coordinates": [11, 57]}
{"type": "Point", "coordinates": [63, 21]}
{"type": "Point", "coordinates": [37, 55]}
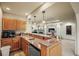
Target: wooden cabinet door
{"type": "Point", "coordinates": [13, 42]}
{"type": "Point", "coordinates": [25, 47]}
{"type": "Point", "coordinates": [43, 50]}
{"type": "Point", "coordinates": [13, 24]}
{"type": "Point", "coordinates": [9, 24]}
{"type": "Point", "coordinates": [16, 44]}
{"type": "Point", "coordinates": [6, 24]}
{"type": "Point", "coordinates": [20, 25]}
{"type": "Point", "coordinates": [6, 41]}
{"type": "Point", "coordinates": [23, 25]}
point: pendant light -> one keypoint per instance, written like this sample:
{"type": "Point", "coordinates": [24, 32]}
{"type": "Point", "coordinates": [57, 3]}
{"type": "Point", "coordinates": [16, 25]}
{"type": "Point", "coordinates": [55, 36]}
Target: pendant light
{"type": "Point", "coordinates": [43, 17]}
{"type": "Point", "coordinates": [44, 22]}
{"type": "Point", "coordinates": [34, 19]}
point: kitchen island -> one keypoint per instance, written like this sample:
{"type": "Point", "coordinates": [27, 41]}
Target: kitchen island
{"type": "Point", "coordinates": [47, 46]}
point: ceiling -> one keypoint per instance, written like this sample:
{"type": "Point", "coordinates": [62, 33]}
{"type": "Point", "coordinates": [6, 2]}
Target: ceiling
{"type": "Point", "coordinates": [75, 6]}
{"type": "Point", "coordinates": [20, 8]}
{"type": "Point", "coordinates": [57, 11]}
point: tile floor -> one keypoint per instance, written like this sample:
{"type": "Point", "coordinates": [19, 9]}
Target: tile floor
{"type": "Point", "coordinates": [17, 53]}
{"type": "Point", "coordinates": [68, 47]}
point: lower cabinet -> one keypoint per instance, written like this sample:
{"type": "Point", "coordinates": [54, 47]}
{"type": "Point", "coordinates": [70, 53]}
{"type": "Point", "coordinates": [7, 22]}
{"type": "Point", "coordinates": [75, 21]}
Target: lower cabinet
{"type": "Point", "coordinates": [6, 41]}
{"type": "Point", "coordinates": [13, 42]}
{"type": "Point", "coordinates": [25, 47]}
{"type": "Point", "coordinates": [16, 43]}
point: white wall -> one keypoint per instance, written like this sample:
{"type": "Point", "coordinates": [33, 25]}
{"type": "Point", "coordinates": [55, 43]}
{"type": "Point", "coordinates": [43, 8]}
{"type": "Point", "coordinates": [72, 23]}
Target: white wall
{"type": "Point", "coordinates": [29, 27]}
{"type": "Point", "coordinates": [67, 16]}
{"type": "Point", "coordinates": [0, 22]}
{"type": "Point", "coordinates": [63, 31]}
{"type": "Point", "coordinates": [75, 7]}
{"type": "Point", "coordinates": [60, 28]}
{"type": "Point", "coordinates": [7, 15]}
{"type": "Point", "coordinates": [77, 37]}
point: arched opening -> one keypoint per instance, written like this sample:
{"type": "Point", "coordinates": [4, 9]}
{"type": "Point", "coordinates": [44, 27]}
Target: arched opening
{"type": "Point", "coordinates": [76, 11]}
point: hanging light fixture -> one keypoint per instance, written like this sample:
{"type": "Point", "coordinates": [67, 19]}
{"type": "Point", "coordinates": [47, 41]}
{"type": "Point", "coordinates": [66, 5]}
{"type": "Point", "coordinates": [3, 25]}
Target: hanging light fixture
{"type": "Point", "coordinates": [43, 17]}
{"type": "Point", "coordinates": [34, 19]}
{"type": "Point", "coordinates": [44, 22]}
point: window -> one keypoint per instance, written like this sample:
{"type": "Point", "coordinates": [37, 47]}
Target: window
{"type": "Point", "coordinates": [69, 30]}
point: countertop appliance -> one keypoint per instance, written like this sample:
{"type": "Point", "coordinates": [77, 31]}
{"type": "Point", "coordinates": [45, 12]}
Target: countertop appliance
{"type": "Point", "coordinates": [8, 33]}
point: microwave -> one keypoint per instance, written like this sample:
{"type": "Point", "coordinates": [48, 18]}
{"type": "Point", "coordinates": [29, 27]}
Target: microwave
{"type": "Point", "coordinates": [8, 33]}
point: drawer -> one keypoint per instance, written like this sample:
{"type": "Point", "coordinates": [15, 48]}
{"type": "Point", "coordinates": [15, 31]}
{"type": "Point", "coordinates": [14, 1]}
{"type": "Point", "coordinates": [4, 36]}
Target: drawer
{"type": "Point", "coordinates": [6, 42]}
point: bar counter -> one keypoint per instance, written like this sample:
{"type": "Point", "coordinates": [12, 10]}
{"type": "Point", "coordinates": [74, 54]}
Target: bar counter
{"type": "Point", "coordinates": [48, 46]}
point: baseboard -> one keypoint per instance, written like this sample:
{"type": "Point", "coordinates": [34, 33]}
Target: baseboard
{"type": "Point", "coordinates": [67, 39]}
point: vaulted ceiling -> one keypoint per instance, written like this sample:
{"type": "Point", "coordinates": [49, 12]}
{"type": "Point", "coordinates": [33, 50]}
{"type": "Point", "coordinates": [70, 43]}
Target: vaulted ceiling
{"type": "Point", "coordinates": [58, 10]}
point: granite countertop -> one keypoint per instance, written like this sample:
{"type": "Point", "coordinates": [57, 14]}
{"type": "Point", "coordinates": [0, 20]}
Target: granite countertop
{"type": "Point", "coordinates": [41, 34]}
{"type": "Point", "coordinates": [33, 42]}
{"type": "Point", "coordinates": [36, 42]}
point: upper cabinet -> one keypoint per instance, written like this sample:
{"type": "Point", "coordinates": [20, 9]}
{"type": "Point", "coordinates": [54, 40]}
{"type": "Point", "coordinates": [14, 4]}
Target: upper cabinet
{"type": "Point", "coordinates": [9, 24]}
{"type": "Point", "coordinates": [20, 25]}
{"type": "Point", "coordinates": [24, 25]}
{"type": "Point", "coordinates": [14, 24]}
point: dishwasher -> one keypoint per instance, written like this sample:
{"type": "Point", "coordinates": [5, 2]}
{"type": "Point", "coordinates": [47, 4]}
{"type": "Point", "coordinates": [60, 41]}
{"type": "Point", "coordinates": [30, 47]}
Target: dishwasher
{"type": "Point", "coordinates": [33, 51]}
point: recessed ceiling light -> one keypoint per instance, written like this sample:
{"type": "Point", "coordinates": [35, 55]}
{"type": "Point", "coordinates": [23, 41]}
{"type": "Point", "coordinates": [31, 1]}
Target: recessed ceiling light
{"type": "Point", "coordinates": [34, 23]}
{"type": "Point", "coordinates": [29, 16]}
{"type": "Point", "coordinates": [26, 14]}
{"type": "Point", "coordinates": [8, 8]}
{"type": "Point", "coordinates": [57, 20]}
{"type": "Point", "coordinates": [43, 22]}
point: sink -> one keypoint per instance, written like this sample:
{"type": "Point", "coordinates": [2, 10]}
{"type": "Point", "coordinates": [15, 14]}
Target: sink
{"type": "Point", "coordinates": [31, 38]}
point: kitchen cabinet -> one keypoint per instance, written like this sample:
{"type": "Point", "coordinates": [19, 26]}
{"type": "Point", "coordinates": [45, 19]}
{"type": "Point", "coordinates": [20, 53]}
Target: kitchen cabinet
{"type": "Point", "coordinates": [43, 50]}
{"type": "Point", "coordinates": [13, 42]}
{"type": "Point", "coordinates": [9, 24]}
{"type": "Point", "coordinates": [25, 46]}
{"type": "Point", "coordinates": [16, 44]}
{"type": "Point", "coordinates": [23, 25]}
{"type": "Point", "coordinates": [6, 41]}
{"type": "Point", "coordinates": [54, 50]}
{"type": "Point", "coordinates": [20, 25]}
{"type": "Point", "coordinates": [14, 24]}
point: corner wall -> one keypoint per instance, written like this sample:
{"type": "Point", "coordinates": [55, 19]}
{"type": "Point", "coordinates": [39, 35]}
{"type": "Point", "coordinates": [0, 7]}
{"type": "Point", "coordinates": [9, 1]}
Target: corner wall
{"type": "Point", "coordinates": [0, 21]}
{"type": "Point", "coordinates": [0, 24]}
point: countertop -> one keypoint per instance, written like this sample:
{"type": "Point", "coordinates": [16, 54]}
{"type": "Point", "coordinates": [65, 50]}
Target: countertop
{"type": "Point", "coordinates": [40, 34]}
{"type": "Point", "coordinates": [36, 42]}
